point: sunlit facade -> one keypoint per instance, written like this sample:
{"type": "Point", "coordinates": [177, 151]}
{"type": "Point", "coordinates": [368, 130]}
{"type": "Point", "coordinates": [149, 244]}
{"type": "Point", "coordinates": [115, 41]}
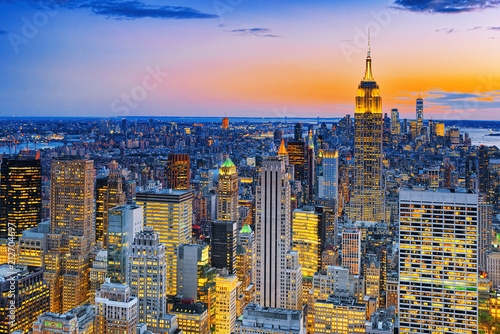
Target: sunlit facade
{"type": "Point", "coordinates": [438, 262]}
{"type": "Point", "coordinates": [340, 315]}
{"type": "Point", "coordinates": [227, 192]}
{"type": "Point", "coordinates": [71, 236]}
{"type": "Point", "coordinates": [367, 201]}
{"type": "Point", "coordinates": [170, 213]}
{"type": "Point", "coordinates": [306, 240]}
{"type": "Point", "coordinates": [227, 293]}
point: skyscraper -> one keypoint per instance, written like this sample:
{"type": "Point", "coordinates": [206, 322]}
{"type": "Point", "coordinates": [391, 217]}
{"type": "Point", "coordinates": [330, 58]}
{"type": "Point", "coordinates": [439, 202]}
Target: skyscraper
{"type": "Point", "coordinates": [272, 231]}
{"type": "Point", "coordinates": [484, 172]}
{"type": "Point", "coordinates": [71, 236]}
{"type": "Point", "coordinates": [298, 132]}
{"type": "Point", "coordinates": [367, 202]}
{"type": "Point", "coordinates": [109, 193]}
{"type": "Point", "coordinates": [223, 240]}
{"type": "Point", "coordinates": [124, 222]}
{"type": "Point", "coordinates": [169, 212]}
{"type": "Point", "coordinates": [178, 171]}
{"type": "Point", "coordinates": [20, 196]}
{"type": "Point", "coordinates": [227, 192]}
{"type": "Point", "coordinates": [227, 293]}
{"type": "Point", "coordinates": [246, 238]}
{"type": "Point", "coordinates": [297, 158]}
{"type": "Point", "coordinates": [147, 276]}
{"type": "Point", "coordinates": [395, 124]}
{"type": "Point", "coordinates": [351, 249]}
{"type": "Point", "coordinates": [420, 115]}
{"type": "Point", "coordinates": [484, 231]}
{"type": "Point", "coordinates": [308, 234]}
{"type": "Point", "coordinates": [311, 164]}
{"type": "Point", "coordinates": [116, 309]}
{"type": "Point", "coordinates": [438, 261]}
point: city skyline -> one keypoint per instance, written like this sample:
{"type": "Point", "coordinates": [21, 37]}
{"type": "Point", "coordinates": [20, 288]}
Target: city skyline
{"type": "Point", "coordinates": [210, 59]}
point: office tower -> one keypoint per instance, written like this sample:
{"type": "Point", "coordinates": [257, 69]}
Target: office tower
{"type": "Point", "coordinates": [420, 116]}
{"type": "Point", "coordinates": [196, 277]}
{"type": "Point", "coordinates": [311, 163]}
{"type": "Point", "coordinates": [484, 239]}
{"type": "Point", "coordinates": [33, 245]}
{"type": "Point", "coordinates": [278, 135]}
{"type": "Point", "coordinates": [178, 171]}
{"type": "Point", "coordinates": [206, 180]}
{"type": "Point", "coordinates": [98, 273]}
{"type": "Point", "coordinates": [124, 222]}
{"type": "Point", "coordinates": [438, 261]}
{"type": "Point", "coordinates": [324, 284]}
{"type": "Point", "coordinates": [225, 123]}
{"type": "Point", "coordinates": [272, 231]}
{"type": "Point", "coordinates": [246, 238]}
{"type": "Point", "coordinates": [329, 209]}
{"type": "Point", "coordinates": [373, 277]}
{"type": "Point", "coordinates": [340, 314]}
{"type": "Point", "coordinates": [297, 158]}
{"type": "Point", "coordinates": [484, 172]}
{"type": "Point", "coordinates": [71, 236]}
{"type": "Point", "coordinates": [116, 309]}
{"type": "Point", "coordinates": [223, 243]}
{"type": "Point", "coordinates": [395, 123]}
{"type": "Point", "coordinates": [169, 212]}
{"type": "Point", "coordinates": [24, 295]}
{"type": "Point", "coordinates": [9, 251]}
{"type": "Point", "coordinates": [109, 193]}
{"type": "Point", "coordinates": [147, 276]}
{"type": "Point", "coordinates": [269, 320]}
{"type": "Point", "coordinates": [330, 174]}
{"type": "Point", "coordinates": [227, 293]}
{"type": "Point", "coordinates": [292, 289]}
{"type": "Point", "coordinates": [192, 317]}
{"type": "Point", "coordinates": [227, 192]}
{"type": "Point", "coordinates": [493, 268]}
{"type": "Point", "coordinates": [367, 201]}
{"type": "Point", "coordinates": [470, 171]}
{"type": "Point", "coordinates": [434, 177]}
{"type": "Point", "coordinates": [244, 273]}
{"type": "Point", "coordinates": [298, 132]}
{"type": "Point", "coordinates": [20, 196]}
{"type": "Point", "coordinates": [351, 249]}
{"type": "Point", "coordinates": [308, 239]}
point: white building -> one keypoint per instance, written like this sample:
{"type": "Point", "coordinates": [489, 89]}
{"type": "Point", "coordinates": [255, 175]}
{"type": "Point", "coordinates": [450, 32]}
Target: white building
{"type": "Point", "coordinates": [272, 231]}
{"type": "Point", "coordinates": [351, 249]}
{"type": "Point", "coordinates": [269, 320]}
{"type": "Point", "coordinates": [292, 290]}
{"type": "Point", "coordinates": [438, 261]}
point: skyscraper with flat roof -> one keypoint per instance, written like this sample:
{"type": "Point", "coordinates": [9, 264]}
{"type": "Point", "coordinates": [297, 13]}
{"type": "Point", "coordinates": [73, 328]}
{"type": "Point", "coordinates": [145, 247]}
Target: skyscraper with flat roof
{"type": "Point", "coordinates": [438, 261]}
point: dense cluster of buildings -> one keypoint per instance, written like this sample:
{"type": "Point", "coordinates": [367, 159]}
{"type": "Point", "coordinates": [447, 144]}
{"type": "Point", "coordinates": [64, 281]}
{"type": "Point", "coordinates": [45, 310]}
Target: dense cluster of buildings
{"type": "Point", "coordinates": [367, 225]}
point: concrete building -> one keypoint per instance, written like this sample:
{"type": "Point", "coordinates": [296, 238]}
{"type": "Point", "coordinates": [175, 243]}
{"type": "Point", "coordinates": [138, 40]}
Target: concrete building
{"type": "Point", "coordinates": [340, 314]}
{"type": "Point", "coordinates": [351, 249]}
{"type": "Point", "coordinates": [192, 317]}
{"type": "Point", "coordinates": [227, 287]}
{"type": "Point", "coordinates": [33, 244]}
{"type": "Point", "coordinates": [98, 273]}
{"type": "Point", "coordinates": [269, 320]}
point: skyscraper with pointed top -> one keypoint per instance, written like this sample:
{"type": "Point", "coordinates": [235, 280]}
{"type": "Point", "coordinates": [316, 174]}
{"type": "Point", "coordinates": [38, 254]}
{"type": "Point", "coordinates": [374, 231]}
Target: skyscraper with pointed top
{"type": "Point", "coordinates": [420, 114]}
{"type": "Point", "coordinates": [367, 202]}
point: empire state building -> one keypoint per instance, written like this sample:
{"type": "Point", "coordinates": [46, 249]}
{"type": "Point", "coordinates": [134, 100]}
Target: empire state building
{"type": "Point", "coordinates": [367, 202]}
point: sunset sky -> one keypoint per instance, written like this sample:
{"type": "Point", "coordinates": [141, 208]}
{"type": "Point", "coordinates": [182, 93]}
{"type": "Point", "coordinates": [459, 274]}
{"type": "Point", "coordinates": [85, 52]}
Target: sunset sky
{"type": "Point", "coordinates": [241, 58]}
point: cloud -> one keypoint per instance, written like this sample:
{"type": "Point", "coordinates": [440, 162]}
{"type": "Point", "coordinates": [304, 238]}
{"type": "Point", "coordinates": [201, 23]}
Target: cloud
{"type": "Point", "coordinates": [445, 6]}
{"type": "Point", "coordinates": [494, 28]}
{"type": "Point", "coordinates": [475, 28]}
{"type": "Point", "coordinates": [259, 32]}
{"type": "Point", "coordinates": [130, 10]}
{"type": "Point", "coordinates": [446, 30]}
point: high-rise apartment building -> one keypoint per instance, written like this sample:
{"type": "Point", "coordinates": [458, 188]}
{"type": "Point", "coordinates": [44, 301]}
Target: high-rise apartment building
{"type": "Point", "coordinates": [223, 242]}
{"type": "Point", "coordinates": [147, 276]}
{"type": "Point", "coordinates": [20, 196]}
{"type": "Point", "coordinates": [351, 249]}
{"type": "Point", "coordinates": [116, 309]}
{"type": "Point", "coordinates": [272, 231]}
{"type": "Point", "coordinates": [71, 236]}
{"type": "Point", "coordinates": [367, 201]}
{"type": "Point", "coordinates": [169, 212]}
{"type": "Point", "coordinates": [109, 193]}
{"type": "Point", "coordinates": [124, 222]}
{"type": "Point", "coordinates": [178, 171]}
{"type": "Point", "coordinates": [227, 192]}
{"type": "Point", "coordinates": [438, 261]}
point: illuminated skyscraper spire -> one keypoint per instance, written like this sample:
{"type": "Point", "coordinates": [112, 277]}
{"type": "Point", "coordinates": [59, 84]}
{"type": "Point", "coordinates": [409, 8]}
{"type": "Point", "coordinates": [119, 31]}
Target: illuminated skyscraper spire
{"type": "Point", "coordinates": [368, 73]}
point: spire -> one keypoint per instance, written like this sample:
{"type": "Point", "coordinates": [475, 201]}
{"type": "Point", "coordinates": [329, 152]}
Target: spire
{"type": "Point", "coordinates": [311, 142]}
{"type": "Point", "coordinates": [282, 150]}
{"type": "Point", "coordinates": [368, 72]}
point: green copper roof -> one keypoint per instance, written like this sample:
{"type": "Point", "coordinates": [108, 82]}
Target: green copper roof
{"type": "Point", "coordinates": [246, 229]}
{"type": "Point", "coordinates": [228, 163]}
